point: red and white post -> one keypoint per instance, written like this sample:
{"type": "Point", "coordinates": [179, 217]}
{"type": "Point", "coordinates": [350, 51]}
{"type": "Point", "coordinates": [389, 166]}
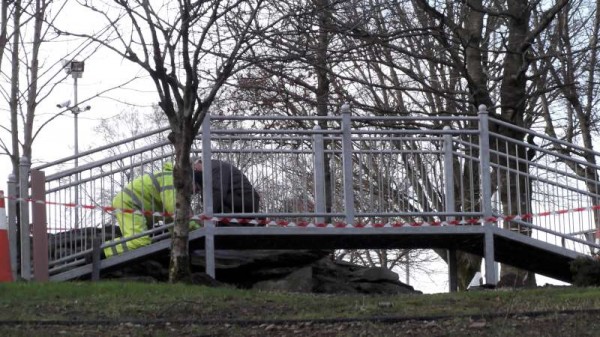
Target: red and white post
{"type": "Point", "coordinates": [5, 269]}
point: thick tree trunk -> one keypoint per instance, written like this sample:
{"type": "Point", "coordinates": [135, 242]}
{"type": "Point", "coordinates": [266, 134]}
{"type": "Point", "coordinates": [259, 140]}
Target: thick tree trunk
{"type": "Point", "coordinates": [323, 87]}
{"type": "Point", "coordinates": [513, 181]}
{"type": "Point", "coordinates": [179, 270]}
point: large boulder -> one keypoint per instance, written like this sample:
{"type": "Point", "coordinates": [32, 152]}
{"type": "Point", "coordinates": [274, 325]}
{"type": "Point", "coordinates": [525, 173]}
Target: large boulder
{"type": "Point", "coordinates": [276, 270]}
{"type": "Point", "coordinates": [299, 280]}
{"type": "Point", "coordinates": [301, 271]}
{"type": "Point", "coordinates": [306, 271]}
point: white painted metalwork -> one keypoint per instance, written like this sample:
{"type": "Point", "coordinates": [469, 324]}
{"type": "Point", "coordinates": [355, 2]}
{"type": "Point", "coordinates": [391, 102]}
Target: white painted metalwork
{"type": "Point", "coordinates": [384, 172]}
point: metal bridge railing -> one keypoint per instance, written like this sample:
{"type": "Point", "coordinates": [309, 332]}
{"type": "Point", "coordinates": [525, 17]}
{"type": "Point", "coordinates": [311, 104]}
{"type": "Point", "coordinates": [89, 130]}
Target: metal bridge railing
{"type": "Point", "coordinates": [347, 169]}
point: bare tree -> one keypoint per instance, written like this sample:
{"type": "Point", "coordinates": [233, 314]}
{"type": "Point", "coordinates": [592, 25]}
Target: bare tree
{"type": "Point", "coordinates": [316, 64]}
{"type": "Point", "coordinates": [22, 33]}
{"type": "Point", "coordinates": [189, 49]}
{"type": "Point", "coordinates": [32, 75]}
{"type": "Point", "coordinates": [423, 53]}
{"type": "Point", "coordinates": [567, 58]}
{"type": "Point", "coordinates": [414, 52]}
{"type": "Point", "coordinates": [21, 101]}
{"type": "Point", "coordinates": [447, 57]}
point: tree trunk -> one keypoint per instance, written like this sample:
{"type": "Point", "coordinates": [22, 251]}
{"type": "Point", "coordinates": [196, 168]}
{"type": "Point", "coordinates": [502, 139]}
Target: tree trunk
{"type": "Point", "coordinates": [323, 87]}
{"type": "Point", "coordinates": [179, 270]}
{"type": "Point", "coordinates": [513, 181]}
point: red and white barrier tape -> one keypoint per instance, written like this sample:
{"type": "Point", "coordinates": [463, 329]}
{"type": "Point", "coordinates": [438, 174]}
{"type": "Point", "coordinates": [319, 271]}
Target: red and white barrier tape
{"type": "Point", "coordinates": [301, 223]}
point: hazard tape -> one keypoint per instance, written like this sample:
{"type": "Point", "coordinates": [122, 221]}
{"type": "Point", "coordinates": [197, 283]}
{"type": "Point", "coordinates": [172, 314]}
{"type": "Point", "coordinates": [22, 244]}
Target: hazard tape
{"type": "Point", "coordinates": [307, 224]}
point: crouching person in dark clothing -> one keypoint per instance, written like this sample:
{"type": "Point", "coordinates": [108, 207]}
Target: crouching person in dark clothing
{"type": "Point", "coordinates": [232, 192]}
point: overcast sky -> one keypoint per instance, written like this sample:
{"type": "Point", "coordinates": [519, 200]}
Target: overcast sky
{"type": "Point", "coordinates": [103, 70]}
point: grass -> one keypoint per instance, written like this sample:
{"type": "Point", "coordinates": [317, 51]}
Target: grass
{"type": "Point", "coordinates": [116, 300]}
{"type": "Point", "coordinates": [130, 305]}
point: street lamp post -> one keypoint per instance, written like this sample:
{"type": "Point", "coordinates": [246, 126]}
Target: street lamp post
{"type": "Point", "coordinates": [75, 69]}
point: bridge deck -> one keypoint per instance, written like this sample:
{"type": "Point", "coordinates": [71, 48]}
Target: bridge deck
{"type": "Point", "coordinates": [509, 247]}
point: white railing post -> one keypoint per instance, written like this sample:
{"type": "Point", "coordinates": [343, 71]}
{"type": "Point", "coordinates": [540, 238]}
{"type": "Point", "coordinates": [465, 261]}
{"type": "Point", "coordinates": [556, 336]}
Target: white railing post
{"type": "Point", "coordinates": [207, 198]}
{"type": "Point", "coordinates": [347, 163]}
{"type": "Point", "coordinates": [491, 277]}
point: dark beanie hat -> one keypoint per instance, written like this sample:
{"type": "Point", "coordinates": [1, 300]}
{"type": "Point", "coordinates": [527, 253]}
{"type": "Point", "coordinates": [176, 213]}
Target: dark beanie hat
{"type": "Point", "coordinates": [197, 174]}
{"type": "Point", "coordinates": [198, 178]}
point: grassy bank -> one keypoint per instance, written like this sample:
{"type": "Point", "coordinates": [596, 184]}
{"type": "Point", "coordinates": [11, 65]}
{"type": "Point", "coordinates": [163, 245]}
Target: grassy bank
{"type": "Point", "coordinates": [88, 309]}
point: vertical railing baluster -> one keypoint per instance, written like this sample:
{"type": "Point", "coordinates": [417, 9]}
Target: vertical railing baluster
{"type": "Point", "coordinates": [319, 174]}
{"type": "Point", "coordinates": [347, 163]}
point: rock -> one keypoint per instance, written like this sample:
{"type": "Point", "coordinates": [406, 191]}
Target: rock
{"type": "Point", "coordinates": [300, 281]}
{"type": "Point", "coordinates": [301, 271]}
{"type": "Point", "coordinates": [374, 274]}
{"type": "Point", "coordinates": [341, 278]}
{"type": "Point", "coordinates": [155, 269]}
{"type": "Point", "coordinates": [275, 270]}
{"type": "Point", "coordinates": [383, 288]}
{"type": "Point", "coordinates": [249, 258]}
{"type": "Point", "coordinates": [138, 278]}
{"type": "Point", "coordinates": [205, 280]}
{"type": "Point", "coordinates": [244, 268]}
{"type": "Point", "coordinates": [328, 285]}
{"type": "Point", "coordinates": [67, 243]}
{"type": "Point", "coordinates": [586, 272]}
{"type": "Point", "coordinates": [512, 280]}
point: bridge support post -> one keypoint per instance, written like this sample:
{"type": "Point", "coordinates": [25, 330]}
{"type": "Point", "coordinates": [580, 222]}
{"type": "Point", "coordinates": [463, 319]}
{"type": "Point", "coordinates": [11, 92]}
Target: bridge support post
{"type": "Point", "coordinates": [491, 277]}
{"type": "Point", "coordinates": [39, 231]}
{"type": "Point", "coordinates": [96, 251]}
{"type": "Point", "coordinates": [452, 271]}
{"type": "Point", "coordinates": [207, 198]}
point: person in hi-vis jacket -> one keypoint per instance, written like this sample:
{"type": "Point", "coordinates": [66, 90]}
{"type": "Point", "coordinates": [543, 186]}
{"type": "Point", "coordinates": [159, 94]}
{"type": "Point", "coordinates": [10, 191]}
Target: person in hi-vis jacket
{"type": "Point", "coordinates": [153, 195]}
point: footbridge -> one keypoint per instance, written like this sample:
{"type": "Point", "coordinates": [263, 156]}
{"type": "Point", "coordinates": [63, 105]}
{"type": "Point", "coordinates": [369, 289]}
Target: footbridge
{"type": "Point", "coordinates": [455, 183]}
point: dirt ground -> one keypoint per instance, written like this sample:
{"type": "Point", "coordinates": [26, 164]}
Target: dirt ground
{"type": "Point", "coordinates": [566, 324]}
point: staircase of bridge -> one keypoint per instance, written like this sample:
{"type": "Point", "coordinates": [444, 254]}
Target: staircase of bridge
{"type": "Point", "coordinates": [470, 183]}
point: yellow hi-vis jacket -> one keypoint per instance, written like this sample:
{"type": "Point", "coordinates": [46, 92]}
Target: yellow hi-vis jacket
{"type": "Point", "coordinates": [152, 194]}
